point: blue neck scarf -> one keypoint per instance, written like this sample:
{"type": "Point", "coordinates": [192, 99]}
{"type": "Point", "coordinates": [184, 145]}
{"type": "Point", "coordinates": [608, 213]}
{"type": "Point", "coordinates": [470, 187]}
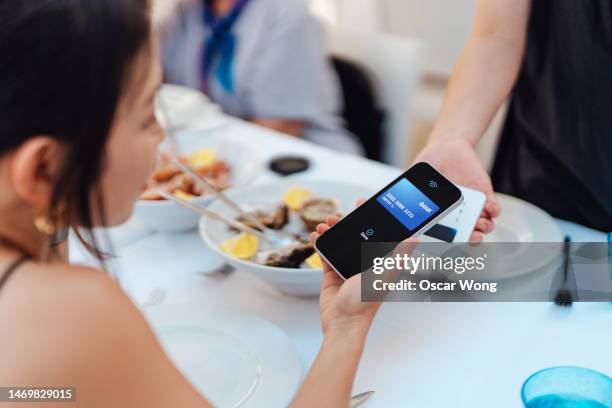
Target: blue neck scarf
{"type": "Point", "coordinates": [220, 46]}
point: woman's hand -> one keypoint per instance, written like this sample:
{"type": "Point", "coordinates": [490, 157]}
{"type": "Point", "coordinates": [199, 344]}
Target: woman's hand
{"type": "Point", "coordinates": [345, 320]}
{"type": "Point", "coordinates": [457, 159]}
{"type": "Point", "coordinates": [340, 301]}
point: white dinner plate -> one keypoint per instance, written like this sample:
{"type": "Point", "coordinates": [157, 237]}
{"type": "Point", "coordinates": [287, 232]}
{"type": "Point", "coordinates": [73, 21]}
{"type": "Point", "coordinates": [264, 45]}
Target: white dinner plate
{"type": "Point", "coordinates": [233, 359]}
{"type": "Point", "coordinates": [521, 223]}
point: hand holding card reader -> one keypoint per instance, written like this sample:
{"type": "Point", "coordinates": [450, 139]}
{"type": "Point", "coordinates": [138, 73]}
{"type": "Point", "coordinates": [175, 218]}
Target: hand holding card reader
{"type": "Point", "coordinates": [458, 225]}
{"type": "Point", "coordinates": [407, 207]}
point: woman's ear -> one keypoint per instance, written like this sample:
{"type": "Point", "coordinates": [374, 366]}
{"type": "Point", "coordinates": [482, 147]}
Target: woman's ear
{"type": "Point", "coordinates": [34, 170]}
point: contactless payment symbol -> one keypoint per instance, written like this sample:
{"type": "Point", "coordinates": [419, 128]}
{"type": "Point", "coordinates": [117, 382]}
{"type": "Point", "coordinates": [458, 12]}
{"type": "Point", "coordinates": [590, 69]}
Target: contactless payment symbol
{"type": "Point", "coordinates": [408, 204]}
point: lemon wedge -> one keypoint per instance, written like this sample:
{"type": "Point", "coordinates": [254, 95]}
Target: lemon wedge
{"type": "Point", "coordinates": [314, 261]}
{"type": "Point", "coordinates": [183, 195]}
{"type": "Point", "coordinates": [295, 196]}
{"type": "Point", "coordinates": [203, 157]}
{"type": "Point", "coordinates": [242, 246]}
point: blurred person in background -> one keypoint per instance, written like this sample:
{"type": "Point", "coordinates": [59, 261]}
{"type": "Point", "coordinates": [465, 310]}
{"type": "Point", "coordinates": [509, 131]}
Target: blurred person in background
{"type": "Point", "coordinates": [78, 139]}
{"type": "Point", "coordinates": [261, 60]}
{"type": "Point", "coordinates": [554, 59]}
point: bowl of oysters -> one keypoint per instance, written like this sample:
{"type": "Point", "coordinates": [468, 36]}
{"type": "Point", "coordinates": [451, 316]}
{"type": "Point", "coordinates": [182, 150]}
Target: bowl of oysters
{"type": "Point", "coordinates": [288, 210]}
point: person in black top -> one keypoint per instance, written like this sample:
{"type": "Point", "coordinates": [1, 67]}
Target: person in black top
{"type": "Point", "coordinates": [553, 58]}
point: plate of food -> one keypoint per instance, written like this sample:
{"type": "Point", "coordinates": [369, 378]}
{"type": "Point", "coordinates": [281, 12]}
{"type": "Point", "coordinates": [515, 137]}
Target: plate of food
{"type": "Point", "coordinates": [291, 206]}
{"type": "Point", "coordinates": [225, 163]}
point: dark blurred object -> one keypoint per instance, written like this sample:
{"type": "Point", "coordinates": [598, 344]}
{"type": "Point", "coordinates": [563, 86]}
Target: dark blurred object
{"type": "Point", "coordinates": [564, 295]}
{"type": "Point", "coordinates": [361, 112]}
{"type": "Point", "coordinates": [288, 165]}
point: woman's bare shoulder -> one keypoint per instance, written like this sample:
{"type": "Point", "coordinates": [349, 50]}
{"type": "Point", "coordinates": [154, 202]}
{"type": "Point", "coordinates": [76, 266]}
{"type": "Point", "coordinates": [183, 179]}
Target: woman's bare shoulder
{"type": "Point", "coordinates": [64, 306]}
{"type": "Point", "coordinates": [61, 293]}
{"type": "Point", "coordinates": [73, 325]}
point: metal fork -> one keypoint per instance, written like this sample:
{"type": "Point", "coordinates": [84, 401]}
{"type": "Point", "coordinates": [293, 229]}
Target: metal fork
{"type": "Point", "coordinates": [155, 297]}
{"type": "Point", "coordinates": [222, 272]}
{"type": "Point", "coordinates": [360, 399]}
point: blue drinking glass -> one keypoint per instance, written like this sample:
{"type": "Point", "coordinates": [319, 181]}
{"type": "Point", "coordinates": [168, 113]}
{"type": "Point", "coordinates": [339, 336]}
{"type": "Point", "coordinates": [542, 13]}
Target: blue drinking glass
{"type": "Point", "coordinates": [567, 387]}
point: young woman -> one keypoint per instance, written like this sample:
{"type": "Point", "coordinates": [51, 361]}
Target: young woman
{"type": "Point", "coordinates": [78, 137]}
{"type": "Point", "coordinates": [261, 60]}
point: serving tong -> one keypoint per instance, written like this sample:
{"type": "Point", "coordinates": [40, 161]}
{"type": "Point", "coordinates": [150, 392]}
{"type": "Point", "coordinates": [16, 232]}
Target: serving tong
{"type": "Point", "coordinates": [274, 237]}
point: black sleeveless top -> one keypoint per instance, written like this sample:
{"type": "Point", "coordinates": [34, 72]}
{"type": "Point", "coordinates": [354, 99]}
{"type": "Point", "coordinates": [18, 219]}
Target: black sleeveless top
{"type": "Point", "coordinates": [556, 145]}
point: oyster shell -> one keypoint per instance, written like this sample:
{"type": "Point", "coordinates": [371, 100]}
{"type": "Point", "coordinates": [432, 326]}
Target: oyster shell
{"type": "Point", "coordinates": [286, 257]}
{"type": "Point", "coordinates": [314, 211]}
{"type": "Point", "coordinates": [274, 216]}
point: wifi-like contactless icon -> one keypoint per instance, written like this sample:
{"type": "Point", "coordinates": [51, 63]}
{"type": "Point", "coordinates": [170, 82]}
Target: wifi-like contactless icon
{"type": "Point", "coordinates": [370, 232]}
{"type": "Point", "coordinates": [433, 184]}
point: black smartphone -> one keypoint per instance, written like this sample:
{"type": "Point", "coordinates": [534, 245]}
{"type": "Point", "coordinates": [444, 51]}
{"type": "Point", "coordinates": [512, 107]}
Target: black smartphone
{"type": "Point", "coordinates": [408, 206]}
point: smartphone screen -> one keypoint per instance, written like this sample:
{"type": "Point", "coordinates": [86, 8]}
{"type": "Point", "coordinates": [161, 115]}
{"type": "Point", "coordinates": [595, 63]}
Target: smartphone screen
{"type": "Point", "coordinates": [408, 206]}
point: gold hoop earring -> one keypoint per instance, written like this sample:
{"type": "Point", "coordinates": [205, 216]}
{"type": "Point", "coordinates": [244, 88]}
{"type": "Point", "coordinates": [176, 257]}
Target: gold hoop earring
{"type": "Point", "coordinates": [43, 224]}
{"type": "Point", "coordinates": [49, 222]}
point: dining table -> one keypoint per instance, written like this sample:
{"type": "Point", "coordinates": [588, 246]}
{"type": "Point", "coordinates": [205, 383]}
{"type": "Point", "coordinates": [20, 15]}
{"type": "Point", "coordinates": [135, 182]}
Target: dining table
{"type": "Point", "coordinates": [423, 354]}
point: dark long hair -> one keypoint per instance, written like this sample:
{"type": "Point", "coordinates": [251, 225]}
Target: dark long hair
{"type": "Point", "coordinates": [64, 66]}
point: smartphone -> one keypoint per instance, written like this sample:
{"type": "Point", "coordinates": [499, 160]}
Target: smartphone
{"type": "Point", "coordinates": [407, 207]}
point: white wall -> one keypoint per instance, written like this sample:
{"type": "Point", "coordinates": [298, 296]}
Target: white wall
{"type": "Point", "coordinates": [365, 15]}
{"type": "Point", "coordinates": [442, 24]}
{"type": "Point", "coordinates": [326, 10]}
{"type": "Point", "coordinates": [362, 15]}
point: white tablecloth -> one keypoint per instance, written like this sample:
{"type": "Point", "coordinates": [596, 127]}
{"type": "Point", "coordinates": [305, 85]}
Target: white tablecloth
{"type": "Point", "coordinates": [418, 354]}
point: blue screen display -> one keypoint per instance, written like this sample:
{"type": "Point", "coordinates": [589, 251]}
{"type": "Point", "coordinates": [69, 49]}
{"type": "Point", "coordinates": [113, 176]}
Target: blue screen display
{"type": "Point", "coordinates": [408, 204]}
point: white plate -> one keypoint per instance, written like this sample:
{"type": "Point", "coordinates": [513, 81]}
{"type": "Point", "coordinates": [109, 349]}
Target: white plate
{"type": "Point", "coordinates": [165, 216]}
{"type": "Point", "coordinates": [522, 222]}
{"type": "Point", "coordinates": [189, 109]}
{"type": "Point", "coordinates": [233, 359]}
{"type": "Point", "coordinates": [301, 282]}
